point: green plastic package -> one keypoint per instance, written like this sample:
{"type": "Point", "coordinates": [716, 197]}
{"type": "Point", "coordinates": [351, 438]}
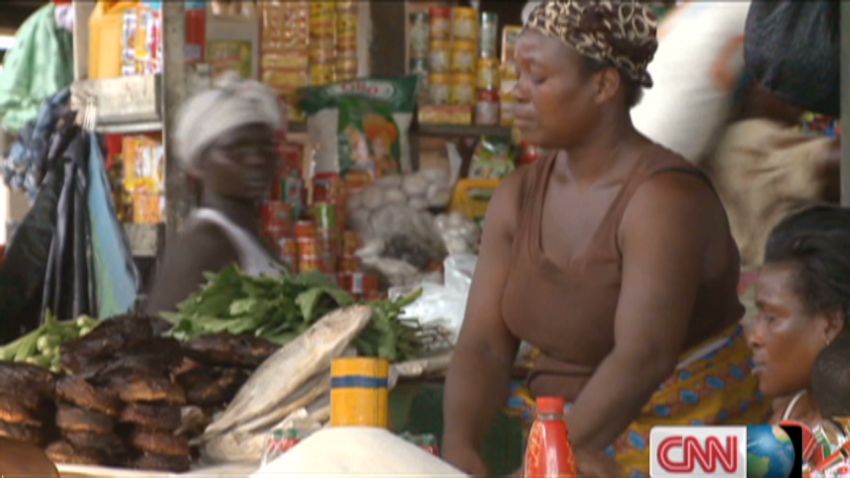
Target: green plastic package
{"type": "Point", "coordinates": [361, 126]}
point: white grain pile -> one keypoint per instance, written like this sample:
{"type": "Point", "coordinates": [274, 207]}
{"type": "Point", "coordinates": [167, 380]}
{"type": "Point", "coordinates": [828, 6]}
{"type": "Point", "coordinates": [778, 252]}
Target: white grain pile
{"type": "Point", "coordinates": [348, 452]}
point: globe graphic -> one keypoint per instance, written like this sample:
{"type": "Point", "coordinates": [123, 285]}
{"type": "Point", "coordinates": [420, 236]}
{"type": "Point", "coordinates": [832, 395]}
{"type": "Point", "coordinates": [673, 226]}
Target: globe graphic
{"type": "Point", "coordinates": [770, 452]}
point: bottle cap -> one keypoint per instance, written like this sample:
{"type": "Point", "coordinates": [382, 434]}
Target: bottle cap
{"type": "Point", "coordinates": [550, 405]}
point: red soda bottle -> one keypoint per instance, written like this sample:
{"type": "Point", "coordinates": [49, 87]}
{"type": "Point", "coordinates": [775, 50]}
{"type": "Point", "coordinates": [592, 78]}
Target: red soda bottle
{"type": "Point", "coordinates": [548, 453]}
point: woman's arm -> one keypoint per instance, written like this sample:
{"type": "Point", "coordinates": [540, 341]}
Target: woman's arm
{"type": "Point", "coordinates": [187, 258]}
{"type": "Point", "coordinates": [664, 239]}
{"type": "Point", "coordinates": [479, 374]}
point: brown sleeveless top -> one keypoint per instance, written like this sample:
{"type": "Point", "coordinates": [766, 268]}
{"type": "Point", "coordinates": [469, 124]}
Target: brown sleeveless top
{"type": "Point", "coordinates": [561, 310]}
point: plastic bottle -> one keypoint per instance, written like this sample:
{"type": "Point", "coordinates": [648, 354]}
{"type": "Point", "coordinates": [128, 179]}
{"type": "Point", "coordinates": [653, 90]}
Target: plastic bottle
{"type": "Point", "coordinates": [548, 452]}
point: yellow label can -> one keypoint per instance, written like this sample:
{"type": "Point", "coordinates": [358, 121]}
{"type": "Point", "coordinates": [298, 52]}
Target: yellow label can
{"type": "Point", "coordinates": [360, 392]}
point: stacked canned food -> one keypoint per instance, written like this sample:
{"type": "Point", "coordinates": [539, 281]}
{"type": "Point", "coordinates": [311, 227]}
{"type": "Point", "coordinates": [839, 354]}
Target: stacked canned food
{"type": "Point", "coordinates": [309, 249]}
{"type": "Point", "coordinates": [346, 39]}
{"type": "Point", "coordinates": [487, 104]}
{"type": "Point", "coordinates": [464, 25]}
{"type": "Point", "coordinates": [439, 55]}
{"type": "Point", "coordinates": [285, 39]}
{"type": "Point", "coordinates": [322, 49]}
{"type": "Point", "coordinates": [508, 75]}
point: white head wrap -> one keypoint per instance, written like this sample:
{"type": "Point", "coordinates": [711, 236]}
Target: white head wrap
{"type": "Point", "coordinates": [234, 102]}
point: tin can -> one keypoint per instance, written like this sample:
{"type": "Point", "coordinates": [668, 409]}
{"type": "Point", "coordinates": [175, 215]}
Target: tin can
{"type": "Point", "coordinates": [464, 23]}
{"type": "Point", "coordinates": [439, 58]}
{"type": "Point", "coordinates": [487, 108]}
{"type": "Point", "coordinates": [293, 193]}
{"type": "Point", "coordinates": [359, 392]}
{"type": "Point", "coordinates": [308, 263]}
{"type": "Point", "coordinates": [327, 188]}
{"type": "Point", "coordinates": [277, 215]}
{"type": "Point", "coordinates": [510, 34]}
{"type": "Point", "coordinates": [463, 57]}
{"type": "Point", "coordinates": [348, 263]}
{"type": "Point", "coordinates": [287, 252]}
{"type": "Point", "coordinates": [325, 215]}
{"type": "Point", "coordinates": [322, 74]}
{"type": "Point", "coordinates": [438, 89]}
{"type": "Point", "coordinates": [308, 247]}
{"type": "Point", "coordinates": [488, 73]}
{"type": "Point", "coordinates": [420, 34]}
{"type": "Point", "coordinates": [489, 34]}
{"type": "Point", "coordinates": [462, 91]}
{"type": "Point", "coordinates": [350, 243]}
{"type": "Point", "coordinates": [440, 26]}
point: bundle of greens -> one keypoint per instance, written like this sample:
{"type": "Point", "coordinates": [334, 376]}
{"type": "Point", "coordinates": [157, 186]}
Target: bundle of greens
{"type": "Point", "coordinates": [43, 345]}
{"type": "Point", "coordinates": [282, 308]}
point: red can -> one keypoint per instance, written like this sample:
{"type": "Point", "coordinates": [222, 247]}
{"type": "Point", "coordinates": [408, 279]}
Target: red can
{"type": "Point", "coordinates": [350, 243]}
{"type": "Point", "coordinates": [349, 264]}
{"type": "Point", "coordinates": [327, 188]}
{"type": "Point", "coordinates": [277, 215]}
{"type": "Point", "coordinates": [287, 251]}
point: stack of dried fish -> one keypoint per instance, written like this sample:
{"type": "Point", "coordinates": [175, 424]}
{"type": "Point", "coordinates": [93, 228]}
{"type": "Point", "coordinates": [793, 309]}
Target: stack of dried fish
{"type": "Point", "coordinates": [26, 402]}
{"type": "Point", "coordinates": [217, 365]}
{"type": "Point", "coordinates": [122, 407]}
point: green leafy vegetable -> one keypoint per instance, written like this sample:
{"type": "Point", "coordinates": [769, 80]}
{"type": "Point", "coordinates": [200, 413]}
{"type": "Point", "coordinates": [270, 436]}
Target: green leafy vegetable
{"type": "Point", "coordinates": [280, 309]}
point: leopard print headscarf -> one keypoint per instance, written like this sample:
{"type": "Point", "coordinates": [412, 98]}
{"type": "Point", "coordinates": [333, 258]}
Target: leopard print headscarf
{"type": "Point", "coordinates": [618, 32]}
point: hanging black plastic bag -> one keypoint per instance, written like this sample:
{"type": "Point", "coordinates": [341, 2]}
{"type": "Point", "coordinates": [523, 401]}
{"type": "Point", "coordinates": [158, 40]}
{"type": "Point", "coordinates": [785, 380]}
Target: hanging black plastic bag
{"type": "Point", "coordinates": [792, 48]}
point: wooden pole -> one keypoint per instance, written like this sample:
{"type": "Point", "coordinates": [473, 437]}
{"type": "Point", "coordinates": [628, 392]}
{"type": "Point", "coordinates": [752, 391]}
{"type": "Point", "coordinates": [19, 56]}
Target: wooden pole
{"type": "Point", "coordinates": [845, 103]}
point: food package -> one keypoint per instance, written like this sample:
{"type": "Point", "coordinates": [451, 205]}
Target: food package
{"type": "Point", "coordinates": [493, 158]}
{"type": "Point", "coordinates": [446, 114]}
{"type": "Point", "coordinates": [361, 125]}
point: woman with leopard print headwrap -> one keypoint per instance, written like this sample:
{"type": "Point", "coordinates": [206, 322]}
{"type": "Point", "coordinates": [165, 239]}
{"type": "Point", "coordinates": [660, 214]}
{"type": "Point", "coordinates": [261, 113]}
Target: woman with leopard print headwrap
{"type": "Point", "coordinates": [612, 257]}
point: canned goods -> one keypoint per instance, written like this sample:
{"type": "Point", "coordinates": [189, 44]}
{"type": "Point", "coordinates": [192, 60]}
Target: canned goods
{"type": "Point", "coordinates": [287, 252]}
{"type": "Point", "coordinates": [462, 90]}
{"type": "Point", "coordinates": [506, 112]}
{"type": "Point", "coordinates": [463, 57]}
{"type": "Point", "coordinates": [488, 73]}
{"type": "Point", "coordinates": [308, 263]}
{"type": "Point", "coordinates": [420, 34]}
{"type": "Point", "coordinates": [292, 190]}
{"type": "Point", "coordinates": [489, 34]}
{"type": "Point", "coordinates": [325, 216]}
{"type": "Point", "coordinates": [277, 217]}
{"type": "Point", "coordinates": [487, 108]}
{"type": "Point", "coordinates": [464, 23]}
{"type": "Point", "coordinates": [350, 243]}
{"type": "Point", "coordinates": [510, 34]}
{"type": "Point", "coordinates": [439, 58]}
{"type": "Point", "coordinates": [305, 230]}
{"type": "Point", "coordinates": [322, 74]}
{"type": "Point", "coordinates": [438, 89]}
{"type": "Point", "coordinates": [359, 392]}
{"type": "Point", "coordinates": [440, 18]}
{"type": "Point", "coordinates": [349, 264]}
{"type": "Point", "coordinates": [327, 188]}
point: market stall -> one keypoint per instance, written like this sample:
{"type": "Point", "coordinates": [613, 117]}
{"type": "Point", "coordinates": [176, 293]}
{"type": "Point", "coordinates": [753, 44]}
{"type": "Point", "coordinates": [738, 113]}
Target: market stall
{"type": "Point", "coordinates": [388, 160]}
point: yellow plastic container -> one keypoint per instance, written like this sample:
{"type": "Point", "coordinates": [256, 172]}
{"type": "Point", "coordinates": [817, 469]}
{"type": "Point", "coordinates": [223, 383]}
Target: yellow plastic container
{"type": "Point", "coordinates": [359, 392]}
{"type": "Point", "coordinates": [106, 31]}
{"type": "Point", "coordinates": [471, 197]}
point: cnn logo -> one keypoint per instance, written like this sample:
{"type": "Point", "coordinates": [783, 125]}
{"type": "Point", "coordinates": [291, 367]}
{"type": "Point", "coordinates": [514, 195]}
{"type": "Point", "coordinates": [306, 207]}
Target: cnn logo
{"type": "Point", "coordinates": [698, 451]}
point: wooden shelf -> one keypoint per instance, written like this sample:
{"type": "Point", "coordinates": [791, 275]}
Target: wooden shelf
{"type": "Point", "coordinates": [131, 128]}
{"type": "Point", "coordinates": [426, 129]}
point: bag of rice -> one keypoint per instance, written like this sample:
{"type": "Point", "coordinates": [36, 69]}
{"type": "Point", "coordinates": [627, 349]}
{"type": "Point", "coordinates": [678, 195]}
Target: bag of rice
{"type": "Point", "coordinates": [361, 126]}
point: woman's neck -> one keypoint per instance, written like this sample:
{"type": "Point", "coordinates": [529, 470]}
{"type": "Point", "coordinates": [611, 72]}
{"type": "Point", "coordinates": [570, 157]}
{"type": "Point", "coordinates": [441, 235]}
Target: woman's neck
{"type": "Point", "coordinates": [804, 410]}
{"type": "Point", "coordinates": [245, 214]}
{"type": "Point", "coordinates": [602, 149]}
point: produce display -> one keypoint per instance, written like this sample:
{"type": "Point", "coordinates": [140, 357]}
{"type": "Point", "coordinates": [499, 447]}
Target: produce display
{"type": "Point", "coordinates": [42, 346]}
{"type": "Point", "coordinates": [282, 309]}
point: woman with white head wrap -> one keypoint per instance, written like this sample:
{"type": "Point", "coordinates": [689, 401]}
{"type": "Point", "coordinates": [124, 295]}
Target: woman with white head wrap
{"type": "Point", "coordinates": [226, 138]}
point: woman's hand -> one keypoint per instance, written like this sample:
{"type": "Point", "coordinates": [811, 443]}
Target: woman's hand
{"type": "Point", "coordinates": [596, 463]}
{"type": "Point", "coordinates": [467, 461]}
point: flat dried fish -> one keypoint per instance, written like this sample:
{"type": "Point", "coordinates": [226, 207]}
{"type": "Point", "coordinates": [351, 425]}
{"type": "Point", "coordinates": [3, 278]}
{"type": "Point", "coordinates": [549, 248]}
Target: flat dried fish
{"type": "Point", "coordinates": [282, 374]}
